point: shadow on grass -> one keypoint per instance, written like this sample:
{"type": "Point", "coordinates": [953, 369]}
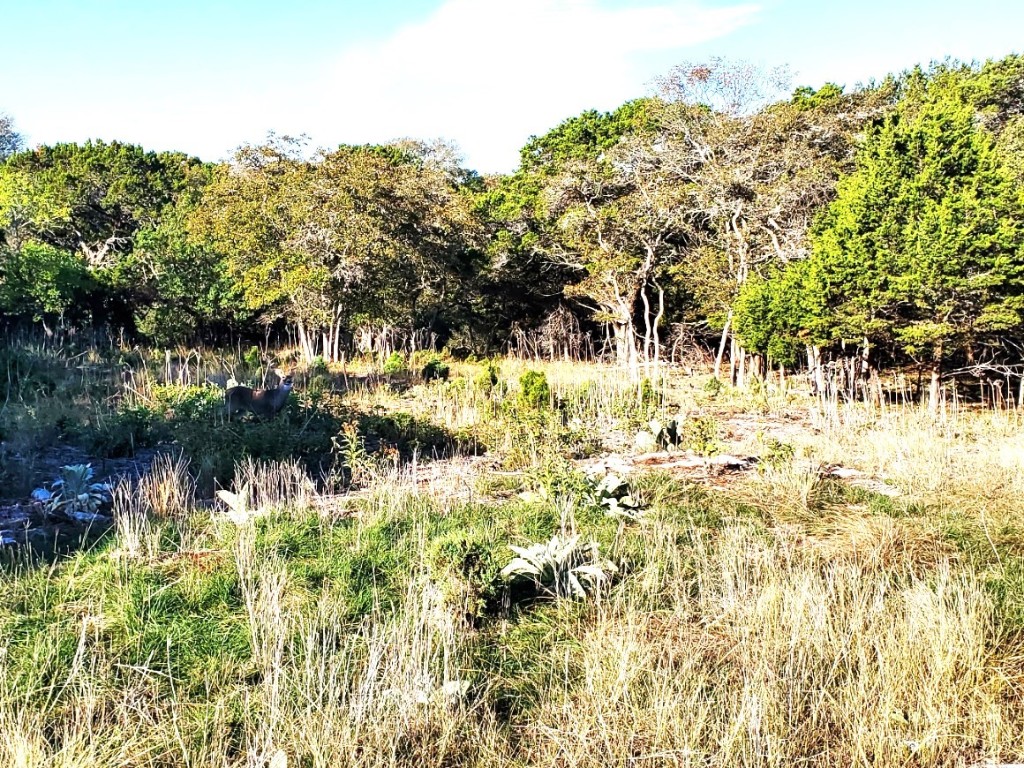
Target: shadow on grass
{"type": "Point", "coordinates": [325, 436]}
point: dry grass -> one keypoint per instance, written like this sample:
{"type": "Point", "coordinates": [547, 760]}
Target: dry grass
{"type": "Point", "coordinates": [800, 623]}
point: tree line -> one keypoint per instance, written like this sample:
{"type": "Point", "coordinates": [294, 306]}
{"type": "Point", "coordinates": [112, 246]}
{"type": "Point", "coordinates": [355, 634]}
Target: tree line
{"type": "Point", "coordinates": [776, 228]}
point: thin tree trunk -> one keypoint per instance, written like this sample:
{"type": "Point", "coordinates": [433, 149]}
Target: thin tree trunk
{"type": "Point", "coordinates": [647, 329]}
{"type": "Point", "coordinates": [935, 382]}
{"type": "Point", "coordinates": [721, 345]}
{"type": "Point", "coordinates": [657, 322]}
{"type": "Point", "coordinates": [734, 359]}
{"type": "Point", "coordinates": [304, 341]}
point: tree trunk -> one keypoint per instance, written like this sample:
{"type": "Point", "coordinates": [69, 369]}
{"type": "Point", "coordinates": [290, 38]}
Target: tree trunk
{"type": "Point", "coordinates": [305, 343]}
{"type": "Point", "coordinates": [934, 388]}
{"type": "Point", "coordinates": [935, 381]}
{"type": "Point", "coordinates": [625, 349]}
{"type": "Point", "coordinates": [721, 345]}
{"type": "Point", "coordinates": [814, 367]}
{"type": "Point", "coordinates": [657, 322]}
{"type": "Point", "coordinates": [648, 335]}
{"type": "Point", "coordinates": [864, 374]}
{"type": "Point", "coordinates": [877, 395]}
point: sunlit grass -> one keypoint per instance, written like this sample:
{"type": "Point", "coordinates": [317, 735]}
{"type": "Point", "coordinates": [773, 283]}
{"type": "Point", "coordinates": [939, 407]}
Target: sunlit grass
{"type": "Point", "coordinates": [774, 617]}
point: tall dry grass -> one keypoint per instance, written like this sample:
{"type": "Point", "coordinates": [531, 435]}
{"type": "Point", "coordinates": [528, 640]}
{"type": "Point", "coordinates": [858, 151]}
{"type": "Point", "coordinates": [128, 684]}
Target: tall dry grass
{"type": "Point", "coordinates": [813, 630]}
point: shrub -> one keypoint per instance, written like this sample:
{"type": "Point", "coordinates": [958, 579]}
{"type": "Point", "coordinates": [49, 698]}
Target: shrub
{"type": "Point", "coordinates": [776, 454]}
{"type": "Point", "coordinates": [252, 357]}
{"type": "Point", "coordinates": [317, 365]}
{"type": "Point", "coordinates": [395, 364]}
{"type": "Point", "coordinates": [700, 434]}
{"type": "Point", "coordinates": [487, 377]}
{"type": "Point", "coordinates": [421, 357]}
{"type": "Point", "coordinates": [435, 370]}
{"type": "Point", "coordinates": [120, 433]}
{"type": "Point", "coordinates": [534, 391]}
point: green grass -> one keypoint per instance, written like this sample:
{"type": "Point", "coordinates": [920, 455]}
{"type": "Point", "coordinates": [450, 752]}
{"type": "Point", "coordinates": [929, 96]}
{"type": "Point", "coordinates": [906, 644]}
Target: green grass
{"type": "Point", "coordinates": [769, 619]}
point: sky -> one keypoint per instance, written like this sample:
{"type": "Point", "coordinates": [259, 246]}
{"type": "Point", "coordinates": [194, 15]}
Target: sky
{"type": "Point", "coordinates": [204, 76]}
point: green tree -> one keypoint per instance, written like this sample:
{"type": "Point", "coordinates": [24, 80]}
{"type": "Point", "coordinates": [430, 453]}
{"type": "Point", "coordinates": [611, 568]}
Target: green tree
{"type": "Point", "coordinates": [88, 203]}
{"type": "Point", "coordinates": [88, 198]}
{"type": "Point", "coordinates": [43, 283]}
{"type": "Point", "coordinates": [10, 140]}
{"type": "Point", "coordinates": [563, 221]}
{"type": "Point", "coordinates": [358, 234]}
{"type": "Point", "coordinates": [921, 251]}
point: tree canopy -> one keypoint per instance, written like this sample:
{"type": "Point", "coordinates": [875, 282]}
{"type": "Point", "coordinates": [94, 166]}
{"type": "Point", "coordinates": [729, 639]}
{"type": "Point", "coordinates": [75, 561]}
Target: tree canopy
{"type": "Point", "coordinates": [729, 209]}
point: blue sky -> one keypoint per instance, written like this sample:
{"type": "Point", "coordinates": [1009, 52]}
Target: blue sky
{"type": "Point", "coordinates": [203, 76]}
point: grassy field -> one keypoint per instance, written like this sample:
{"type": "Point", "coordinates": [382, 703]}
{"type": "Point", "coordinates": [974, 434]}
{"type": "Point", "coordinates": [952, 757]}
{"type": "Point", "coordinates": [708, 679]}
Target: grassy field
{"type": "Point", "coordinates": [354, 609]}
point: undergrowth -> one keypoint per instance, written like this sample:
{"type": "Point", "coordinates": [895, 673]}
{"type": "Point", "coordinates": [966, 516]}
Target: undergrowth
{"type": "Point", "coordinates": [780, 617]}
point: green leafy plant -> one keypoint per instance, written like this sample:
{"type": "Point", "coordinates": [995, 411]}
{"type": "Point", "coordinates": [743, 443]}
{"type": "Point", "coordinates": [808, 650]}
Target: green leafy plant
{"type": "Point", "coordinates": [395, 364]}
{"type": "Point", "coordinates": [561, 567]}
{"type": "Point", "coordinates": [648, 395]}
{"type": "Point", "coordinates": [252, 357]}
{"type": "Point", "coordinates": [349, 450]}
{"type": "Point", "coordinates": [700, 434]}
{"type": "Point", "coordinates": [612, 492]}
{"type": "Point", "coordinates": [435, 370]}
{"type": "Point", "coordinates": [486, 378]}
{"type": "Point", "coordinates": [776, 454]}
{"type": "Point", "coordinates": [534, 391]}
{"type": "Point", "coordinates": [75, 495]}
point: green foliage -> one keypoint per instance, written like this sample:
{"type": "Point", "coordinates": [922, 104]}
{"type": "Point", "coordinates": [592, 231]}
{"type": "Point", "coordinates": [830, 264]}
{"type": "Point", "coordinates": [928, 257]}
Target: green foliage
{"type": "Point", "coordinates": [349, 449]}
{"type": "Point", "coordinates": [486, 378]}
{"type": "Point", "coordinates": [534, 391]}
{"type": "Point", "coordinates": [806, 98]}
{"type": "Point", "coordinates": [395, 364]}
{"type": "Point", "coordinates": [404, 432]}
{"type": "Point", "coordinates": [40, 280]}
{"type": "Point", "coordinates": [700, 435]}
{"type": "Point", "coordinates": [120, 432]}
{"type": "Point", "coordinates": [435, 370]}
{"type": "Point", "coordinates": [360, 234]}
{"type": "Point", "coordinates": [91, 197]}
{"type": "Point", "coordinates": [95, 234]}
{"type": "Point", "coordinates": [921, 250]}
{"type": "Point", "coordinates": [587, 135]}
{"type": "Point", "coordinates": [561, 568]}
{"type": "Point", "coordinates": [776, 454]}
{"type": "Point", "coordinates": [778, 316]}
{"type": "Point", "coordinates": [252, 357]}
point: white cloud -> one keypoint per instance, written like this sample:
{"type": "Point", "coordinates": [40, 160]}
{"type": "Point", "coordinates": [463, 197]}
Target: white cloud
{"type": "Point", "coordinates": [490, 73]}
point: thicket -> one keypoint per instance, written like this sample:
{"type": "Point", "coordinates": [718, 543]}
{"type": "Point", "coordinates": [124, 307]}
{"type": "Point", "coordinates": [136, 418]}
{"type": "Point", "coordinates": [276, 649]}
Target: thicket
{"type": "Point", "coordinates": [768, 227]}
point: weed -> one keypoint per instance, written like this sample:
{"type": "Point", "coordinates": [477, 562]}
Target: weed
{"type": "Point", "coordinates": [561, 567]}
{"type": "Point", "coordinates": [534, 391]}
{"type": "Point", "coordinates": [395, 364]}
{"type": "Point", "coordinates": [700, 435]}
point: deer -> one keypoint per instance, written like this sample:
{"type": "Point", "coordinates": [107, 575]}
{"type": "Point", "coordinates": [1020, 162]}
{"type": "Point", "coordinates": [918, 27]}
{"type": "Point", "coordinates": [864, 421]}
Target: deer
{"type": "Point", "coordinates": [262, 403]}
